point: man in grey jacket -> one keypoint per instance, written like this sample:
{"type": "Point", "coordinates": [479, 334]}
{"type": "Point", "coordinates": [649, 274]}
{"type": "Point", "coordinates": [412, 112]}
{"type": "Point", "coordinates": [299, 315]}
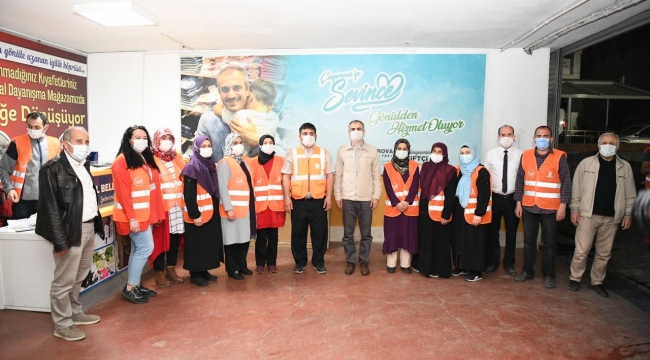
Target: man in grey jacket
{"type": "Point", "coordinates": [602, 197]}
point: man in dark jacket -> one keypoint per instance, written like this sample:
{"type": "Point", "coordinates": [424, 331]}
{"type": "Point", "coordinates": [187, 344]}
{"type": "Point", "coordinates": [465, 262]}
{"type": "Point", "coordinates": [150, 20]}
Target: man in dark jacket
{"type": "Point", "coordinates": [69, 218]}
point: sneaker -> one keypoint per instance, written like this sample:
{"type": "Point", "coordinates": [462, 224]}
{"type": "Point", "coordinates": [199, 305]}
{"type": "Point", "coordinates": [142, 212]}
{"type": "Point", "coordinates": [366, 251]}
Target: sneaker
{"type": "Point", "coordinates": [433, 275]}
{"type": "Point", "coordinates": [458, 271]}
{"type": "Point", "coordinates": [599, 289]}
{"type": "Point", "coordinates": [298, 269]}
{"type": "Point", "coordinates": [146, 292]}
{"type": "Point", "coordinates": [71, 333]}
{"type": "Point", "coordinates": [259, 269]}
{"type": "Point", "coordinates": [320, 269]}
{"type": "Point", "coordinates": [473, 277]}
{"type": "Point", "coordinates": [273, 269]}
{"type": "Point", "coordinates": [85, 319]}
{"type": "Point", "coordinates": [549, 282]}
{"type": "Point", "coordinates": [414, 269]}
{"type": "Point", "coordinates": [134, 295]}
{"type": "Point", "coordinates": [574, 285]}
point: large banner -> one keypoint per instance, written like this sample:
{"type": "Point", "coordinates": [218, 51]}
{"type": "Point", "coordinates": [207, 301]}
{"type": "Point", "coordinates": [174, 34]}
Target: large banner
{"type": "Point", "coordinates": [35, 77]}
{"type": "Point", "coordinates": [423, 98]}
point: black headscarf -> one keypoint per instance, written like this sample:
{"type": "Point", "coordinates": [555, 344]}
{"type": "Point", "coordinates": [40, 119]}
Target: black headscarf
{"type": "Point", "coordinates": [262, 157]}
{"type": "Point", "coordinates": [402, 166]}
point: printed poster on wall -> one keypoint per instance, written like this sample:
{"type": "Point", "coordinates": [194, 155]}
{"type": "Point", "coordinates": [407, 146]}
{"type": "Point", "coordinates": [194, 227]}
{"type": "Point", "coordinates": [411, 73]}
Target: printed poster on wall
{"type": "Point", "coordinates": [423, 98]}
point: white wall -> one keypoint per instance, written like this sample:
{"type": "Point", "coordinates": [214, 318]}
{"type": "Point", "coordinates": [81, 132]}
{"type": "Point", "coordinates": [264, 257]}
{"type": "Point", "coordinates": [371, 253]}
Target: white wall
{"type": "Point", "coordinates": [143, 88]}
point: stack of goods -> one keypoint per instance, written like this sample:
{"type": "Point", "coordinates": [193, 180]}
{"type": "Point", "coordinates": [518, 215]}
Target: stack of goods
{"type": "Point", "coordinates": [205, 102]}
{"type": "Point", "coordinates": [191, 65]}
{"type": "Point", "coordinates": [273, 69]}
{"type": "Point", "coordinates": [251, 65]}
{"type": "Point", "coordinates": [191, 88]}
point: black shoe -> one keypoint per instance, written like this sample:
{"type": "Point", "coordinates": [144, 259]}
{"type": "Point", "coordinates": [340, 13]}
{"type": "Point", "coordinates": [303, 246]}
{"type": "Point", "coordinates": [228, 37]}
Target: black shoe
{"type": "Point", "coordinates": [524, 276]}
{"type": "Point", "coordinates": [134, 296]}
{"type": "Point", "coordinates": [207, 276]}
{"type": "Point", "coordinates": [236, 275]}
{"type": "Point", "coordinates": [599, 289]}
{"type": "Point", "coordinates": [458, 271]}
{"type": "Point", "coordinates": [406, 270]}
{"type": "Point", "coordinates": [146, 292]}
{"type": "Point", "coordinates": [298, 269]}
{"type": "Point", "coordinates": [246, 271]}
{"type": "Point", "coordinates": [321, 269]}
{"type": "Point", "coordinates": [574, 285]}
{"type": "Point", "coordinates": [549, 282]}
{"type": "Point", "coordinates": [491, 268]}
{"type": "Point", "coordinates": [510, 270]}
{"type": "Point", "coordinates": [199, 281]}
{"type": "Point", "coordinates": [390, 269]}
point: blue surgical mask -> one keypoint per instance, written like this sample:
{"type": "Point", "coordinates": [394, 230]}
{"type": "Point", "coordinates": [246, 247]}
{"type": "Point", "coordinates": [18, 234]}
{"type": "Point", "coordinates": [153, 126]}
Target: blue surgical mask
{"type": "Point", "coordinates": [466, 159]}
{"type": "Point", "coordinates": [542, 143]}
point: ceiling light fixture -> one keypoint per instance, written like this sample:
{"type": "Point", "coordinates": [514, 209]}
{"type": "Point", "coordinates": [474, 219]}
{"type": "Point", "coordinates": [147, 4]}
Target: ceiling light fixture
{"type": "Point", "coordinates": [115, 14]}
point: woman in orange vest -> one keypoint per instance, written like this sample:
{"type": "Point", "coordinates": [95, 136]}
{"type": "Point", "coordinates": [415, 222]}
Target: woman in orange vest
{"type": "Point", "coordinates": [401, 181]}
{"type": "Point", "coordinates": [203, 238]}
{"type": "Point", "coordinates": [137, 206]}
{"type": "Point", "coordinates": [269, 204]}
{"type": "Point", "coordinates": [472, 216]}
{"type": "Point", "coordinates": [237, 206]}
{"type": "Point", "coordinates": [167, 236]}
{"type": "Point", "coordinates": [437, 196]}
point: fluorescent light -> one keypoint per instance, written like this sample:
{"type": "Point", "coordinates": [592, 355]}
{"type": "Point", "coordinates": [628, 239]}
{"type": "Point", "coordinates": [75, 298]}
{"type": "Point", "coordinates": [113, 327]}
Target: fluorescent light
{"type": "Point", "coordinates": [114, 14]}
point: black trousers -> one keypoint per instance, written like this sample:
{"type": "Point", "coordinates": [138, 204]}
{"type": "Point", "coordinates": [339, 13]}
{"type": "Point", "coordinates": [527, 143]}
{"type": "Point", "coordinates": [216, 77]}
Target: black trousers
{"type": "Point", "coordinates": [23, 209]}
{"type": "Point", "coordinates": [503, 206]}
{"type": "Point", "coordinates": [549, 235]}
{"type": "Point", "coordinates": [172, 254]}
{"type": "Point", "coordinates": [308, 215]}
{"type": "Point", "coordinates": [266, 246]}
{"type": "Point", "coordinates": [236, 257]}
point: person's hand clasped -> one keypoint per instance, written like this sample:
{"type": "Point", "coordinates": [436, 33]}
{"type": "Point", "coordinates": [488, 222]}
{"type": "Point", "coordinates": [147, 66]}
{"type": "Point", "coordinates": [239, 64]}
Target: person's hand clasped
{"type": "Point", "coordinates": [476, 221]}
{"type": "Point", "coordinates": [198, 221]}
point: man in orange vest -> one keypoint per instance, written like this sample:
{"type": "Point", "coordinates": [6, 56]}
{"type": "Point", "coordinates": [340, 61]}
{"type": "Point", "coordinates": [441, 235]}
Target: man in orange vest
{"type": "Point", "coordinates": [21, 162]}
{"type": "Point", "coordinates": [542, 192]}
{"type": "Point", "coordinates": [645, 167]}
{"type": "Point", "coordinates": [308, 179]}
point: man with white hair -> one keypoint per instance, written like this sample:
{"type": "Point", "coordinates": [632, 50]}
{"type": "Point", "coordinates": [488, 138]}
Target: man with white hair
{"type": "Point", "coordinates": [602, 197]}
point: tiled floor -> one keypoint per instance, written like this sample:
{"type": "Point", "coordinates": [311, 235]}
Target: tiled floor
{"type": "Point", "coordinates": [334, 316]}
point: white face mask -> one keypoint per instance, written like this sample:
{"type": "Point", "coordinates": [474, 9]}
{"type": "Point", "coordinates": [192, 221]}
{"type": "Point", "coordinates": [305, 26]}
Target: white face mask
{"type": "Point", "coordinates": [79, 152]}
{"type": "Point", "coordinates": [205, 152]}
{"type": "Point", "coordinates": [36, 134]}
{"type": "Point", "coordinates": [308, 140]}
{"type": "Point", "coordinates": [401, 154]}
{"type": "Point", "coordinates": [607, 150]}
{"type": "Point", "coordinates": [506, 142]}
{"type": "Point", "coordinates": [238, 149]}
{"type": "Point", "coordinates": [268, 149]}
{"type": "Point", "coordinates": [356, 135]}
{"type": "Point", "coordinates": [140, 144]}
{"type": "Point", "coordinates": [436, 158]}
{"type": "Point", "coordinates": [165, 145]}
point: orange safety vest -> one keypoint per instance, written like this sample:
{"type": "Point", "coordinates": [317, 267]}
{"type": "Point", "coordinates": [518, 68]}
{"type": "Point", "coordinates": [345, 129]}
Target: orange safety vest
{"type": "Point", "coordinates": [647, 176]}
{"type": "Point", "coordinates": [204, 202]}
{"type": "Point", "coordinates": [141, 186]}
{"type": "Point", "coordinates": [308, 173]}
{"type": "Point", "coordinates": [542, 187]}
{"type": "Point", "coordinates": [473, 198]}
{"type": "Point", "coordinates": [401, 190]}
{"type": "Point", "coordinates": [24, 149]}
{"type": "Point", "coordinates": [436, 205]}
{"type": "Point", "coordinates": [268, 190]}
{"type": "Point", "coordinates": [170, 185]}
{"type": "Point", "coordinates": [237, 189]}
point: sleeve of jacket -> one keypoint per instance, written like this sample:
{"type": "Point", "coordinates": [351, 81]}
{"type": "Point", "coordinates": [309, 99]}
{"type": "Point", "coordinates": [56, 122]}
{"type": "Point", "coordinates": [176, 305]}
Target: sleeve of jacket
{"type": "Point", "coordinates": [7, 164]}
{"type": "Point", "coordinates": [484, 191]}
{"type": "Point", "coordinates": [338, 176]}
{"type": "Point", "coordinates": [576, 187]}
{"type": "Point", "coordinates": [49, 209]}
{"type": "Point", "coordinates": [376, 177]}
{"type": "Point", "coordinates": [224, 175]}
{"type": "Point", "coordinates": [630, 190]}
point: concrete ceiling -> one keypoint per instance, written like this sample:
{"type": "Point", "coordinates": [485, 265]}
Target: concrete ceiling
{"type": "Point", "coordinates": [299, 24]}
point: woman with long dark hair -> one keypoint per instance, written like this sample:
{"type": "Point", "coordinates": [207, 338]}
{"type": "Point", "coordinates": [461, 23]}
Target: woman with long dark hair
{"type": "Point", "coordinates": [138, 205]}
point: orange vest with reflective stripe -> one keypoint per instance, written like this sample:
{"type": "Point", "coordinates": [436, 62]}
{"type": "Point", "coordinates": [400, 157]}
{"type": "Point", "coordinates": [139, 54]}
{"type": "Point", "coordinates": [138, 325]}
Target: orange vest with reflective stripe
{"type": "Point", "coordinates": [473, 198]}
{"type": "Point", "coordinates": [268, 189]}
{"type": "Point", "coordinates": [542, 187]}
{"type": "Point", "coordinates": [170, 185]}
{"type": "Point", "coordinates": [647, 176]}
{"type": "Point", "coordinates": [141, 187]}
{"type": "Point", "coordinates": [436, 205]}
{"type": "Point", "coordinates": [24, 150]}
{"type": "Point", "coordinates": [401, 190]}
{"type": "Point", "coordinates": [237, 189]}
{"type": "Point", "coordinates": [308, 174]}
{"type": "Point", "coordinates": [204, 202]}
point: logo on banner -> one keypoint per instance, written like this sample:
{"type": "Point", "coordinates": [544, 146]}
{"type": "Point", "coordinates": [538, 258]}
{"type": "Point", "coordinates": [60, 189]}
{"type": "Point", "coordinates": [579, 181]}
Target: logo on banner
{"type": "Point", "coordinates": [385, 90]}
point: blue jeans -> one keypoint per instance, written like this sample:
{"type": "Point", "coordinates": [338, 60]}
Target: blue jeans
{"type": "Point", "coordinates": [141, 248]}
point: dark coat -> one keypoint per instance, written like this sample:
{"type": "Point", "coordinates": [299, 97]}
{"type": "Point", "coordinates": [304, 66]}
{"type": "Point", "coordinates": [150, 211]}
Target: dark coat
{"type": "Point", "coordinates": [60, 204]}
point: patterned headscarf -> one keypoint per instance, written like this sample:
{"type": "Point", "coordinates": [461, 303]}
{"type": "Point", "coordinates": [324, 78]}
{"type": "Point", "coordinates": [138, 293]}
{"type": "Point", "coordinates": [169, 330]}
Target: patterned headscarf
{"type": "Point", "coordinates": [401, 165]}
{"type": "Point", "coordinates": [157, 137]}
{"type": "Point", "coordinates": [227, 149]}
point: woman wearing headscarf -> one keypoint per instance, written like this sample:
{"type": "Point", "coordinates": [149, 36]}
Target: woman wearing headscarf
{"type": "Point", "coordinates": [167, 235]}
{"type": "Point", "coordinates": [203, 239]}
{"type": "Point", "coordinates": [401, 181]}
{"type": "Point", "coordinates": [237, 207]}
{"type": "Point", "coordinates": [138, 205]}
{"type": "Point", "coordinates": [437, 196]}
{"type": "Point", "coordinates": [269, 204]}
{"type": "Point", "coordinates": [472, 215]}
